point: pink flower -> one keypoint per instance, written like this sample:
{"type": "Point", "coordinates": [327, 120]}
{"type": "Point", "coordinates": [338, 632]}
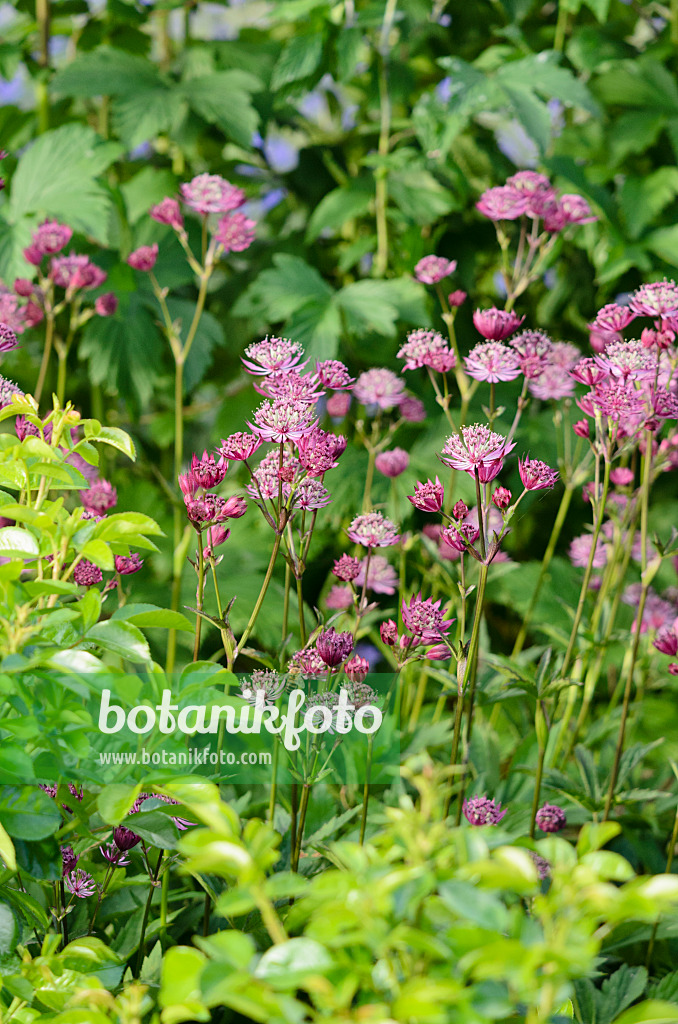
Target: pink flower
{"type": "Point", "coordinates": [460, 536]}
{"type": "Point", "coordinates": [128, 565]}
{"type": "Point", "coordinates": [80, 884]}
{"type": "Point", "coordinates": [240, 446]}
{"type": "Point", "coordinates": [630, 360]}
{"type": "Point", "coordinates": [501, 498]}
{"type": "Point", "coordinates": [308, 495]}
{"type": "Point", "coordinates": [106, 305]}
{"type": "Point", "coordinates": [621, 476]}
{"type": "Point", "coordinates": [580, 551]}
{"type": "Point", "coordinates": [666, 641]}
{"type": "Point", "coordinates": [346, 568]}
{"type": "Point", "coordinates": [334, 647]}
{"type": "Point", "coordinates": [339, 598]}
{"type": "Point", "coordinates": [617, 399]}
{"type": "Point", "coordinates": [33, 255]}
{"type": "Point", "coordinates": [7, 391]}
{"type": "Point", "coordinates": [503, 203]}
{"type": "Point", "coordinates": [550, 818]}
{"type": "Point", "coordinates": [381, 576]}
{"type": "Point", "coordinates": [551, 384]}
{"type": "Point", "coordinates": [86, 574]}
{"type": "Point", "coordinates": [389, 632]}
{"type": "Point", "coordinates": [215, 536]}
{"type": "Point", "coordinates": [210, 193]}
{"type": "Point", "coordinates": [536, 475]}
{"type": "Point", "coordinates": [477, 449]}
{"type": "Point", "coordinates": [412, 409]}
{"type": "Point", "coordinates": [428, 497]}
{"type": "Point", "coordinates": [51, 237]}
{"type": "Point", "coordinates": [576, 209]}
{"type": "Point", "coordinates": [613, 318]}
{"type": "Point", "coordinates": [657, 299]}
{"type": "Point", "coordinates": [496, 324]}
{"type": "Point", "coordinates": [392, 463]}
{"type": "Point", "coordinates": [379, 387]}
{"type": "Point", "coordinates": [492, 362]}
{"type": "Point", "coordinates": [144, 257]}
{"type": "Point", "coordinates": [207, 472]}
{"type": "Point", "coordinates": [319, 451]}
{"type": "Point", "coordinates": [426, 348]}
{"type": "Point", "coordinates": [168, 212]}
{"type": "Point", "coordinates": [291, 385]}
{"type": "Point", "coordinates": [267, 475]}
{"type": "Point", "coordinates": [8, 339]}
{"type": "Point", "coordinates": [589, 372]}
{"type": "Point", "coordinates": [432, 269]}
{"type": "Point", "coordinates": [283, 421]}
{"type": "Point", "coordinates": [235, 233]}
{"type": "Point", "coordinates": [424, 619]}
{"type": "Point", "coordinates": [357, 668]}
{"type": "Point", "coordinates": [23, 287]}
{"type": "Point", "coordinates": [480, 810]}
{"type": "Point", "coordinates": [456, 298]}
{"type": "Point", "coordinates": [337, 405]}
{"type": "Point", "coordinates": [373, 530]}
{"type": "Point", "coordinates": [100, 496]}
{"type": "Point", "coordinates": [334, 375]}
{"type": "Point", "coordinates": [73, 272]}
{"type": "Point", "coordinates": [272, 355]}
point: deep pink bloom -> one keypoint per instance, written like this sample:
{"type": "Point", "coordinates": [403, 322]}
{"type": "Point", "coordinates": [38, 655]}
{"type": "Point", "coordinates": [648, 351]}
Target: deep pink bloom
{"type": "Point", "coordinates": [424, 619]}
{"type": "Point", "coordinates": [267, 475]}
{"type": "Point", "coordinates": [617, 399]}
{"type": "Point", "coordinates": [460, 509]}
{"type": "Point", "coordinates": [657, 299]}
{"type": "Point", "coordinates": [426, 348]}
{"type": "Point", "coordinates": [334, 375]}
{"type": "Point", "coordinates": [168, 212]}
{"type": "Point", "coordinates": [536, 475]}
{"type": "Point", "coordinates": [33, 255]}
{"type": "Point", "coordinates": [272, 355]}
{"type": "Point", "coordinates": [282, 421]}
{"type": "Point", "coordinates": [337, 405]}
{"type": "Point", "coordinates": [533, 345]}
{"type": "Point", "coordinates": [392, 463]}
{"type": "Point", "coordinates": [456, 298]}
{"type": "Point", "coordinates": [576, 209]}
{"type": "Point", "coordinates": [501, 497]}
{"type": "Point", "coordinates": [113, 855]}
{"type": "Point", "coordinates": [666, 641]}
{"type": "Point", "coordinates": [477, 449]}
{"type": "Point", "coordinates": [431, 269]}
{"type": "Point", "coordinates": [496, 324]}
{"type": "Point", "coordinates": [24, 287]}
{"type": "Point", "coordinates": [210, 193]}
{"type": "Point", "coordinates": [106, 305]}
{"type": "Point", "coordinates": [86, 574]}
{"type": "Point", "coordinates": [144, 257]}
{"type": "Point", "coordinates": [80, 884]}
{"type": "Point", "coordinates": [550, 818]}
{"type": "Point", "coordinates": [412, 409]}
{"type": "Point", "coordinates": [580, 551]}
{"type": "Point", "coordinates": [346, 568]}
{"type": "Point", "coordinates": [373, 530]}
{"type": "Point", "coordinates": [650, 338]}
{"type": "Point", "coordinates": [502, 203]}
{"type": "Point", "coordinates": [51, 237]}
{"type": "Point", "coordinates": [581, 428]}
{"type": "Point", "coordinates": [493, 362]}
{"type": "Point", "coordinates": [214, 509]}
{"type": "Point", "coordinates": [621, 476]}
{"type": "Point", "coordinates": [72, 272]}
{"type": "Point", "coordinates": [291, 385]}
{"type": "Point", "coordinates": [308, 495]}
{"type": "Point", "coordinates": [7, 391]}
{"type": "Point", "coordinates": [428, 497]}
{"type": "Point", "coordinates": [128, 565]}
{"type": "Point", "coordinates": [207, 472]}
{"type": "Point", "coordinates": [388, 632]}
{"type": "Point", "coordinates": [613, 318]}
{"type": "Point", "coordinates": [589, 372]}
{"type": "Point", "coordinates": [381, 576]}
{"type": "Point", "coordinates": [214, 537]}
{"type": "Point", "coordinates": [460, 536]}
{"type": "Point", "coordinates": [125, 839]}
{"type": "Point", "coordinates": [339, 598]}
{"type": "Point", "coordinates": [240, 446]}
{"type": "Point", "coordinates": [319, 451]}
{"type": "Point", "coordinates": [235, 232]}
{"type": "Point", "coordinates": [553, 214]}
{"type": "Point", "coordinates": [379, 387]}
{"type": "Point", "coordinates": [100, 496]}
{"type": "Point", "coordinates": [8, 339]}
{"type": "Point", "coordinates": [334, 647]}
{"type": "Point", "coordinates": [357, 668]}
{"type": "Point", "coordinates": [69, 861]}
{"type": "Point", "coordinates": [480, 810]}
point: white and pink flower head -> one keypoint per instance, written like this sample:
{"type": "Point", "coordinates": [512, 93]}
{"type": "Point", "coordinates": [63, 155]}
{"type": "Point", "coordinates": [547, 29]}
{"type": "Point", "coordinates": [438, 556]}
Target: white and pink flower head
{"type": "Point", "coordinates": [272, 355]}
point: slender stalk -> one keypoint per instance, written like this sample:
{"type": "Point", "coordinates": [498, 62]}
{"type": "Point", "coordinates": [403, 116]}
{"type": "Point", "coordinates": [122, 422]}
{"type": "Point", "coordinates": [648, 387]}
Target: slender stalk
{"type": "Point", "coordinates": [46, 353]}
{"type": "Point", "coordinates": [43, 18]}
{"type": "Point", "coordinates": [384, 144]}
{"type": "Point", "coordinates": [561, 28]}
{"type": "Point", "coordinates": [147, 910]}
{"type": "Point", "coordinates": [369, 477]}
{"type": "Point", "coordinates": [300, 602]}
{"type": "Point", "coordinates": [366, 788]}
{"type": "Point", "coordinates": [537, 789]}
{"type": "Point", "coordinates": [669, 864]}
{"type": "Point", "coordinates": [262, 594]}
{"type": "Point", "coordinates": [455, 746]}
{"type": "Point", "coordinates": [200, 596]}
{"type": "Point", "coordinates": [303, 807]}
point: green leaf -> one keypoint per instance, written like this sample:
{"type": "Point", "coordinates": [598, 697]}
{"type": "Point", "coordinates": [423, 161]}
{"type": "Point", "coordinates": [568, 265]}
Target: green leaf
{"type": "Point", "coordinates": [125, 351]}
{"type": "Point", "coordinates": [112, 436]}
{"type": "Point", "coordinates": [17, 543]}
{"type": "Point", "coordinates": [595, 836]}
{"type": "Point", "coordinates": [156, 828]}
{"type": "Point", "coordinates": [143, 116]}
{"type": "Point", "coordinates": [10, 930]}
{"type": "Point", "coordinates": [106, 71]}
{"type": "Point", "coordinates": [366, 307]}
{"type": "Point", "coordinates": [664, 243]}
{"type": "Point", "coordinates": [56, 176]}
{"type": "Point", "coordinates": [294, 963]}
{"type": "Point", "coordinates": [651, 1011]}
{"type": "Point", "coordinates": [280, 291]}
{"type": "Point", "coordinates": [145, 189]}
{"type": "Point", "coordinates": [532, 113]}
{"type": "Point", "coordinates": [28, 813]}
{"type": "Point", "coordinates": [148, 615]}
{"type": "Point", "coordinates": [120, 638]}
{"type": "Point", "coordinates": [620, 990]}
{"type": "Point", "coordinates": [419, 196]}
{"type": "Point", "coordinates": [225, 100]}
{"type": "Point", "coordinates": [115, 802]}
{"type": "Point", "coordinates": [299, 59]}
{"type": "Point", "coordinates": [340, 206]}
{"type": "Point", "coordinates": [643, 198]}
{"type": "Point", "coordinates": [7, 851]}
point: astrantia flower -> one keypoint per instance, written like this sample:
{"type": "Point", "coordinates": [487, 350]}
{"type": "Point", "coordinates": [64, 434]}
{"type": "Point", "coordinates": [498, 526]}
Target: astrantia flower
{"type": "Point", "coordinates": [392, 463]}
{"type": "Point", "coordinates": [106, 305]}
{"type": "Point", "coordinates": [496, 324]}
{"type": "Point", "coordinates": [629, 360]}
{"type": "Point", "coordinates": [207, 471]}
{"type": "Point", "coordinates": [80, 884]}
{"type": "Point", "coordinates": [267, 479]}
{"type": "Point", "coordinates": [235, 233]}
{"type": "Point", "coordinates": [432, 269]}
{"type": "Point", "coordinates": [580, 551]}
{"type": "Point", "coordinates": [272, 355]}
{"type": "Point", "coordinates": [613, 318]}
{"type": "Point", "coordinates": [424, 619]}
{"type": "Point", "coordinates": [144, 257]}
{"type": "Point", "coordinates": [425, 348]}
{"type": "Point", "coordinates": [11, 313]}
{"type": "Point", "coordinates": [477, 449]}
{"type": "Point", "coordinates": [51, 237]}
{"type": "Point", "coordinates": [334, 647]}
{"type": "Point", "coordinates": [339, 598]}
{"type": "Point", "coordinates": [666, 641]}
{"type": "Point", "coordinates": [357, 669]}
{"type": "Point", "coordinates": [501, 498]}
{"type": "Point", "coordinates": [460, 537]}
{"type": "Point", "coordinates": [282, 421]}
{"type": "Point", "coordinates": [210, 193]}
{"type": "Point", "coordinates": [576, 209]}
{"type": "Point", "coordinates": [457, 298]}
{"type": "Point", "coordinates": [621, 476]}
{"type": "Point", "coordinates": [8, 339]}
{"type": "Point", "coordinates": [124, 838]}
{"type": "Point", "coordinates": [664, 404]}
{"type": "Point", "coordinates": [657, 299]}
{"type": "Point", "coordinates": [428, 497]}
{"type": "Point", "coordinates": [292, 386]}
{"type": "Point", "coordinates": [381, 576]}
{"type": "Point", "coordinates": [309, 495]}
{"type": "Point", "coordinates": [127, 565]}
{"type": "Point", "coordinates": [492, 362]}
{"type": "Point", "coordinates": [337, 405]}
{"type": "Point", "coordinates": [412, 409]}
{"type": "Point", "coordinates": [7, 391]}
{"type": "Point", "coordinates": [564, 353]}
{"type": "Point", "coordinates": [68, 859]}
{"type": "Point", "coordinates": [536, 475]}
{"type": "Point", "coordinates": [100, 496]}
{"type": "Point", "coordinates": [380, 387]}
{"type": "Point", "coordinates": [266, 682]}
{"type": "Point", "coordinates": [346, 568]}
{"type": "Point", "coordinates": [388, 632]}
{"type": "Point", "coordinates": [214, 509]}
{"type": "Point", "coordinates": [307, 663]}
{"type": "Point", "coordinates": [168, 212]}
{"type": "Point", "coordinates": [617, 399]}
{"type": "Point", "coordinates": [86, 574]}
{"type": "Point", "coordinates": [334, 375]}
{"type": "Point", "coordinates": [551, 818]}
{"type": "Point", "coordinates": [113, 855]}
{"type": "Point", "coordinates": [532, 344]}
{"type": "Point", "coordinates": [502, 203]}
{"type": "Point", "coordinates": [373, 530]}
{"type": "Point", "coordinates": [589, 372]}
{"type": "Point", "coordinates": [239, 446]}
{"type": "Point", "coordinates": [530, 182]}
{"type": "Point", "coordinates": [73, 272]}
{"type": "Point", "coordinates": [480, 810]}
{"type": "Point", "coordinates": [320, 450]}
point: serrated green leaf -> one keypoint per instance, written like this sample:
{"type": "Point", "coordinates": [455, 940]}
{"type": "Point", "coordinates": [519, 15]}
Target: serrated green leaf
{"type": "Point", "coordinates": [122, 638]}
{"type": "Point", "coordinates": [225, 99]}
{"type": "Point", "coordinates": [340, 206]}
{"type": "Point", "coordinates": [300, 57]}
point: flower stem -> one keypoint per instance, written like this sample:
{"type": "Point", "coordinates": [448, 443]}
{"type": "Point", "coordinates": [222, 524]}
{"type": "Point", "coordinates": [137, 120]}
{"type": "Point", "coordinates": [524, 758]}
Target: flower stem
{"type": "Point", "coordinates": [262, 594]}
{"type": "Point", "coordinates": [366, 788]}
{"type": "Point", "coordinates": [46, 353]}
{"type": "Point", "coordinates": [147, 910]}
{"type": "Point", "coordinates": [201, 592]}
{"type": "Point", "coordinates": [669, 864]}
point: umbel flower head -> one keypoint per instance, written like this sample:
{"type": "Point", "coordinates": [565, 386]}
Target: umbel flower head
{"type": "Point", "coordinates": [334, 647]}
{"type": "Point", "coordinates": [424, 619]}
{"type": "Point", "coordinates": [235, 233]}
{"type": "Point", "coordinates": [265, 685]}
{"type": "Point", "coordinates": [657, 299]}
{"type": "Point", "coordinates": [80, 884]}
{"type": "Point", "coordinates": [393, 462]}
{"type": "Point", "coordinates": [493, 362]}
{"type": "Point", "coordinates": [536, 475]}
{"type": "Point", "coordinates": [426, 348]}
{"type": "Point", "coordinates": [477, 449]}
{"type": "Point", "coordinates": [551, 818]}
{"type": "Point", "coordinates": [373, 530]}
{"type": "Point", "coordinates": [432, 269]}
{"type": "Point", "coordinates": [284, 420]}
{"type": "Point", "coordinates": [8, 339]}
{"type": "Point", "coordinates": [379, 387]}
{"type": "Point", "coordinates": [272, 355]}
{"type": "Point", "coordinates": [428, 497]}
{"type": "Point", "coordinates": [480, 810]}
{"type": "Point", "coordinates": [496, 324]}
{"type": "Point", "coordinates": [332, 374]}
{"type": "Point", "coordinates": [210, 193]}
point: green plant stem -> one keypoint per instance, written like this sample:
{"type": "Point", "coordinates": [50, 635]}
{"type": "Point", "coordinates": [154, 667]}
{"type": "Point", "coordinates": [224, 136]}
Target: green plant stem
{"type": "Point", "coordinates": [46, 353]}
{"type": "Point", "coordinates": [303, 807]}
{"type": "Point", "coordinates": [418, 701]}
{"type": "Point", "coordinates": [669, 865]}
{"type": "Point", "coordinates": [558, 524]}
{"type": "Point", "coordinates": [369, 477]}
{"type": "Point", "coordinates": [43, 18]}
{"type": "Point", "coordinates": [366, 788]}
{"type": "Point", "coordinates": [537, 789]}
{"type": "Point", "coordinates": [300, 602]}
{"type": "Point", "coordinates": [384, 144]}
{"type": "Point", "coordinates": [262, 594]}
{"type": "Point", "coordinates": [147, 910]}
{"type": "Point", "coordinates": [201, 592]}
{"type": "Point", "coordinates": [455, 746]}
{"type": "Point", "coordinates": [561, 28]}
{"type": "Point", "coordinates": [274, 781]}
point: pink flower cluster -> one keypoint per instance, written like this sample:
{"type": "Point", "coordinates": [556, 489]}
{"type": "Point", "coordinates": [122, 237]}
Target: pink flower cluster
{"type": "Point", "coordinates": [209, 194]}
{"type": "Point", "coordinates": [530, 194]}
